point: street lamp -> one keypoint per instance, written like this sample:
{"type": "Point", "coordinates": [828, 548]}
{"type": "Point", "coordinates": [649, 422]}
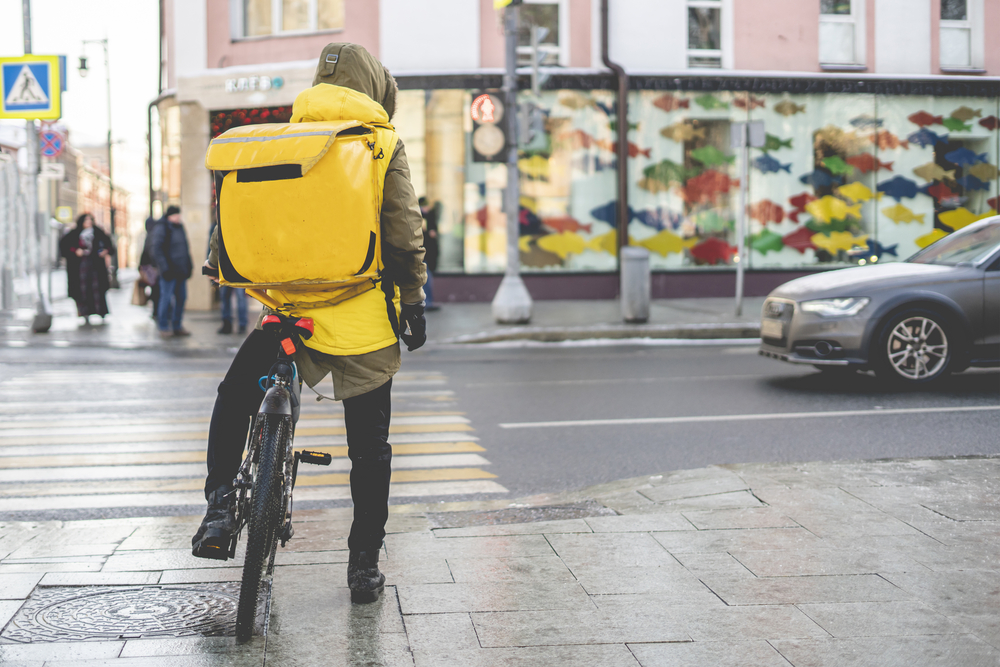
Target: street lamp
{"type": "Point", "coordinates": [84, 70]}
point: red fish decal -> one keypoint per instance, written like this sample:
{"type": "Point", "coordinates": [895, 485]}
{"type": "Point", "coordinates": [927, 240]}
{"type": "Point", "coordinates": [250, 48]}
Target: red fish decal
{"type": "Point", "coordinates": [708, 186]}
{"type": "Point", "coordinates": [669, 102]}
{"type": "Point", "coordinates": [990, 122]}
{"type": "Point", "coordinates": [866, 162]}
{"type": "Point", "coordinates": [923, 119]}
{"type": "Point", "coordinates": [799, 201]}
{"type": "Point", "coordinates": [634, 150]}
{"type": "Point", "coordinates": [713, 251]}
{"type": "Point", "coordinates": [800, 239]}
{"type": "Point", "coordinates": [565, 224]}
{"type": "Point", "coordinates": [766, 211]}
{"type": "Point", "coordinates": [581, 139]}
{"type": "Point", "coordinates": [887, 140]}
{"type": "Point", "coordinates": [481, 217]}
{"type": "Point", "coordinates": [994, 203]}
{"type": "Point", "coordinates": [742, 101]}
{"type": "Point", "coordinates": [940, 191]}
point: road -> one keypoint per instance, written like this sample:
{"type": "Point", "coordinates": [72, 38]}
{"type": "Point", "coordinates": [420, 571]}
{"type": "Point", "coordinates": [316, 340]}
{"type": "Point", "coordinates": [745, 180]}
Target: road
{"type": "Point", "coordinates": [101, 433]}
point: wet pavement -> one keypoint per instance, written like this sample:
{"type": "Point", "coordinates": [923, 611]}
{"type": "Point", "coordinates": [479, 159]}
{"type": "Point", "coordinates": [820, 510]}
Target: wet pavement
{"type": "Point", "coordinates": [819, 564]}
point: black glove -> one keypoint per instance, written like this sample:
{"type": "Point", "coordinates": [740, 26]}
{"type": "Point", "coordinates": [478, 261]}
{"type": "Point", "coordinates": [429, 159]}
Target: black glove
{"type": "Point", "coordinates": [412, 316]}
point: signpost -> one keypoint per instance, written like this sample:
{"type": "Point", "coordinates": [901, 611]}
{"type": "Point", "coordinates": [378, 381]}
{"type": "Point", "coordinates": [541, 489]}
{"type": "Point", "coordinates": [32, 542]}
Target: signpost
{"type": "Point", "coordinates": [743, 136]}
{"type": "Point", "coordinates": [51, 143]}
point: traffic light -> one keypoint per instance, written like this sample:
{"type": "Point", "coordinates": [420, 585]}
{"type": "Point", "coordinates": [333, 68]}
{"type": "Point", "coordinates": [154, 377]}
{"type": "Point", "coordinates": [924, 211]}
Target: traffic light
{"type": "Point", "coordinates": [489, 133]}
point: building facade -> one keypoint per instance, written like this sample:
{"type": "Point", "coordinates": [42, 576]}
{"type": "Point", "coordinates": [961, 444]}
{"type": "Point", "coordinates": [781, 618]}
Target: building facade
{"type": "Point", "coordinates": [881, 122]}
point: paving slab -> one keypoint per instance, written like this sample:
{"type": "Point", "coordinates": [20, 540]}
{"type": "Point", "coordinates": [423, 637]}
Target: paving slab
{"type": "Point", "coordinates": [615, 655]}
{"type": "Point", "coordinates": [759, 539]}
{"type": "Point", "coordinates": [797, 562]}
{"type": "Point", "coordinates": [535, 569]}
{"type": "Point", "coordinates": [18, 586]}
{"type": "Point", "coordinates": [717, 654]}
{"type": "Point", "coordinates": [880, 619]}
{"type": "Point", "coordinates": [492, 596]}
{"type": "Point", "coordinates": [796, 590]}
{"type": "Point", "coordinates": [938, 651]}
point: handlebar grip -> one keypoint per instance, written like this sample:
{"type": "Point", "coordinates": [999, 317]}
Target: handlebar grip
{"type": "Point", "coordinates": [209, 271]}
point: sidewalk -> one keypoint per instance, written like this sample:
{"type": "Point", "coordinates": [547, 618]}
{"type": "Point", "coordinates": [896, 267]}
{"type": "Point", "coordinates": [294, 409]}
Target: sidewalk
{"type": "Point", "coordinates": [819, 564]}
{"type": "Point", "coordinates": [130, 327]}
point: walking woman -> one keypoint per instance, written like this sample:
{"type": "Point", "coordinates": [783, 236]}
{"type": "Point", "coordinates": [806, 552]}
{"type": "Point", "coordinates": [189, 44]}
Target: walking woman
{"type": "Point", "coordinates": [87, 250]}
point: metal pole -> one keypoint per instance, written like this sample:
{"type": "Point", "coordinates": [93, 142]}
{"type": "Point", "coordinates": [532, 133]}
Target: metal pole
{"type": "Point", "coordinates": [43, 313]}
{"type": "Point", "coordinates": [741, 218]}
{"type": "Point", "coordinates": [512, 303]}
{"type": "Point", "coordinates": [621, 148]}
{"type": "Point", "coordinates": [111, 179]}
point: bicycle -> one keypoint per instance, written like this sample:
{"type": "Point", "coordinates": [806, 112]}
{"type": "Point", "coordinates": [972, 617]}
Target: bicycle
{"type": "Point", "coordinates": [267, 474]}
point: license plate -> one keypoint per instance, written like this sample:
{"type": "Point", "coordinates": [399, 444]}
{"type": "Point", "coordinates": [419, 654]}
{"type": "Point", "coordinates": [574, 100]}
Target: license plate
{"type": "Point", "coordinates": [772, 329]}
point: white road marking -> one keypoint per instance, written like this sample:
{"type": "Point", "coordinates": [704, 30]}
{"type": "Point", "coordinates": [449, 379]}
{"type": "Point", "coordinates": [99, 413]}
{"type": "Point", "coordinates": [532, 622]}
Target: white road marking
{"type": "Point", "coordinates": [751, 417]}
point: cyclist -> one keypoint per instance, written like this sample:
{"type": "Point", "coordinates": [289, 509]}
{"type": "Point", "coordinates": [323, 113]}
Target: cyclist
{"type": "Point", "coordinates": [362, 332]}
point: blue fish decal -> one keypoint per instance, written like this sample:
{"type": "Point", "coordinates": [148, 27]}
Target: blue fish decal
{"type": "Point", "coordinates": [970, 182]}
{"type": "Point", "coordinates": [769, 165]}
{"type": "Point", "coordinates": [609, 213]}
{"type": "Point", "coordinates": [875, 249]}
{"type": "Point", "coordinates": [659, 219]}
{"type": "Point", "coordinates": [963, 157]}
{"type": "Point", "coordinates": [866, 122]}
{"type": "Point", "coordinates": [898, 188]}
{"type": "Point", "coordinates": [609, 110]}
{"type": "Point", "coordinates": [924, 138]}
{"type": "Point", "coordinates": [820, 179]}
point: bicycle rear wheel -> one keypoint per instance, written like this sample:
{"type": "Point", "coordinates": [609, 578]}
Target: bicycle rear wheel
{"type": "Point", "coordinates": [264, 521]}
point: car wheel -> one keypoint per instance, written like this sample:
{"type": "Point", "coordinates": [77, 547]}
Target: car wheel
{"type": "Point", "coordinates": [914, 348]}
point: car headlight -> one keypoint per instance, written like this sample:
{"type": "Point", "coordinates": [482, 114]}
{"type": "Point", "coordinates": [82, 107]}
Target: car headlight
{"type": "Point", "coordinates": [835, 307]}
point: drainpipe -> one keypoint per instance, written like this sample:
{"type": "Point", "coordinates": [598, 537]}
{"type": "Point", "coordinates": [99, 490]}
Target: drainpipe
{"type": "Point", "coordinates": [149, 142]}
{"type": "Point", "coordinates": [622, 148]}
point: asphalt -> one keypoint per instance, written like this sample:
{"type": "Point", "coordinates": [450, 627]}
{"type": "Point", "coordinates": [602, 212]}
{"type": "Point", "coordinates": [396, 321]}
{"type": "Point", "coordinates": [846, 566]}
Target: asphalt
{"type": "Point", "coordinates": [890, 562]}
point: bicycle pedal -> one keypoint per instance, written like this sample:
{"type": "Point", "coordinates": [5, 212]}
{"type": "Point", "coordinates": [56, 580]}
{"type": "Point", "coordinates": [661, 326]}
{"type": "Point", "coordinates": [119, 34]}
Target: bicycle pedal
{"type": "Point", "coordinates": [316, 458]}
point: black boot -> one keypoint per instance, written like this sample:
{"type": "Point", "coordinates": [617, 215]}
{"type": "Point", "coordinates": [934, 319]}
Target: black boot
{"type": "Point", "coordinates": [216, 530]}
{"type": "Point", "coordinates": [227, 327]}
{"type": "Point", "coordinates": [363, 578]}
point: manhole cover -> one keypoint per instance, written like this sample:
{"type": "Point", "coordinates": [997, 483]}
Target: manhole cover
{"type": "Point", "coordinates": [120, 612]}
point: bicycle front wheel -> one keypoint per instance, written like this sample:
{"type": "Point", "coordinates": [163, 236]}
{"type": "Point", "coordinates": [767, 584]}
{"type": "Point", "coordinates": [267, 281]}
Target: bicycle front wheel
{"type": "Point", "coordinates": [264, 522]}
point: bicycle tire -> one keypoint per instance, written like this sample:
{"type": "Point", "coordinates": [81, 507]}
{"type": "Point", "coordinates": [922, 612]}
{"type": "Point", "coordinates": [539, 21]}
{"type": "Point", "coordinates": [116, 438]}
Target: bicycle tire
{"type": "Point", "coordinates": [264, 521]}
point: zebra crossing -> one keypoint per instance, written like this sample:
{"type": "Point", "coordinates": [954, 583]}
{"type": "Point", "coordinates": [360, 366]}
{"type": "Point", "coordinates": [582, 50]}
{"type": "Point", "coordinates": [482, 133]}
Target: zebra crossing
{"type": "Point", "coordinates": [76, 439]}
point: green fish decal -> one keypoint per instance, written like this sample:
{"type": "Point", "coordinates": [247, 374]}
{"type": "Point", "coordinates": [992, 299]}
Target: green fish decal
{"type": "Point", "coordinates": [710, 156]}
{"type": "Point", "coordinates": [956, 125]}
{"type": "Point", "coordinates": [829, 227]}
{"type": "Point", "coordinates": [631, 126]}
{"type": "Point", "coordinates": [710, 222]}
{"type": "Point", "coordinates": [668, 171]}
{"type": "Point", "coordinates": [837, 166]}
{"type": "Point", "coordinates": [709, 102]}
{"type": "Point", "coordinates": [773, 143]}
{"type": "Point", "coordinates": [767, 241]}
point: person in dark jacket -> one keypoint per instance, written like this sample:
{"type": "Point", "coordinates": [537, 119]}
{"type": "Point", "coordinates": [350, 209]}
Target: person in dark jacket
{"type": "Point", "coordinates": [148, 273]}
{"type": "Point", "coordinates": [431, 215]}
{"type": "Point", "coordinates": [169, 247]}
{"type": "Point", "coordinates": [87, 250]}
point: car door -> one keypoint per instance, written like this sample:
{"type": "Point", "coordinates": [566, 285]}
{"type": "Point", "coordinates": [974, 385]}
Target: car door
{"type": "Point", "coordinates": [991, 310]}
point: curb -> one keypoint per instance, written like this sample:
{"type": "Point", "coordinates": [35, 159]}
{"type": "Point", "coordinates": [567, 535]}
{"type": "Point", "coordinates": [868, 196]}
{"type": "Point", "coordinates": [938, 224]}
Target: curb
{"type": "Point", "coordinates": [611, 331]}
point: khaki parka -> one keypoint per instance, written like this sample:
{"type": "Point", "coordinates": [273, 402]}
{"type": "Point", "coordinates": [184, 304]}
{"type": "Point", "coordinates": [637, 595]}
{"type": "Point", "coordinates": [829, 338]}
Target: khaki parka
{"type": "Point", "coordinates": [368, 322]}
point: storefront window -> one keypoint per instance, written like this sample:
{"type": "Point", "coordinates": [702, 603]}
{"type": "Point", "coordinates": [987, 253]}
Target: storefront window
{"type": "Point", "coordinates": [704, 33]}
{"type": "Point", "coordinates": [266, 17]}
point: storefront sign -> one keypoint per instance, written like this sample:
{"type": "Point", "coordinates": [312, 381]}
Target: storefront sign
{"type": "Point", "coordinates": [246, 84]}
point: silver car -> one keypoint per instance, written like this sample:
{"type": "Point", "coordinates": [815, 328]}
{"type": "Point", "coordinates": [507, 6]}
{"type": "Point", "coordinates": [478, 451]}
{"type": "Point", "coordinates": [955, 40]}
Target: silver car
{"type": "Point", "coordinates": [911, 322]}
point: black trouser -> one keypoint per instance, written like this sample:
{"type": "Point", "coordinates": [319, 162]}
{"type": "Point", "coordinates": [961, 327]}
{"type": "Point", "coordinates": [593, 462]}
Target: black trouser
{"type": "Point", "coordinates": [366, 416]}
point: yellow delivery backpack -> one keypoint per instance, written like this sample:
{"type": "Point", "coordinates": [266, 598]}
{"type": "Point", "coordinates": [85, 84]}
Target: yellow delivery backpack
{"type": "Point", "coordinates": [299, 206]}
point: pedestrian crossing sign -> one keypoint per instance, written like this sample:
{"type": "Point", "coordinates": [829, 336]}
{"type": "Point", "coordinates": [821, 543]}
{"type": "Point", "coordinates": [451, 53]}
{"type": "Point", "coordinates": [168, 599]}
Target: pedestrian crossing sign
{"type": "Point", "coordinates": [30, 87]}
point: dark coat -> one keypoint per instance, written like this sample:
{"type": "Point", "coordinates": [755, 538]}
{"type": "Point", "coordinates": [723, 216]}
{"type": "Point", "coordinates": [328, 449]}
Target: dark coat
{"type": "Point", "coordinates": [431, 240]}
{"type": "Point", "coordinates": [67, 247]}
{"type": "Point", "coordinates": [170, 251]}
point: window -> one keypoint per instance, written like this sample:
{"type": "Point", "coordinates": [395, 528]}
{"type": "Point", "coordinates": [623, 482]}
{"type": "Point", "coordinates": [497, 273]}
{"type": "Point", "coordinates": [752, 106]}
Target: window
{"type": "Point", "coordinates": [550, 17]}
{"type": "Point", "coordinates": [956, 34]}
{"type": "Point", "coordinates": [704, 33]}
{"type": "Point", "coordinates": [258, 18]}
{"type": "Point", "coordinates": [841, 32]}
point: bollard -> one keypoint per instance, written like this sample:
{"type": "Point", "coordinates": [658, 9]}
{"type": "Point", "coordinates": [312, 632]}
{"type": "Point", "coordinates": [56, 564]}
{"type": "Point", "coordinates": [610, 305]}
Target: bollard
{"type": "Point", "coordinates": [635, 288]}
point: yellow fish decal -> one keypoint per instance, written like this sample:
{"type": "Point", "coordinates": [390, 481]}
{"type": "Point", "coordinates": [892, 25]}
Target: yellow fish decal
{"type": "Point", "coordinates": [683, 132]}
{"type": "Point", "coordinates": [934, 172]}
{"type": "Point", "coordinates": [666, 242]}
{"type": "Point", "coordinates": [653, 185]}
{"type": "Point", "coordinates": [962, 217]}
{"type": "Point", "coordinates": [524, 243]}
{"type": "Point", "coordinates": [900, 213]}
{"type": "Point", "coordinates": [605, 243]}
{"type": "Point", "coordinates": [983, 171]}
{"type": "Point", "coordinates": [838, 241]}
{"type": "Point", "coordinates": [932, 237]}
{"type": "Point", "coordinates": [857, 192]}
{"type": "Point", "coordinates": [574, 100]}
{"type": "Point", "coordinates": [830, 208]}
{"type": "Point", "coordinates": [535, 167]}
{"type": "Point", "coordinates": [563, 244]}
